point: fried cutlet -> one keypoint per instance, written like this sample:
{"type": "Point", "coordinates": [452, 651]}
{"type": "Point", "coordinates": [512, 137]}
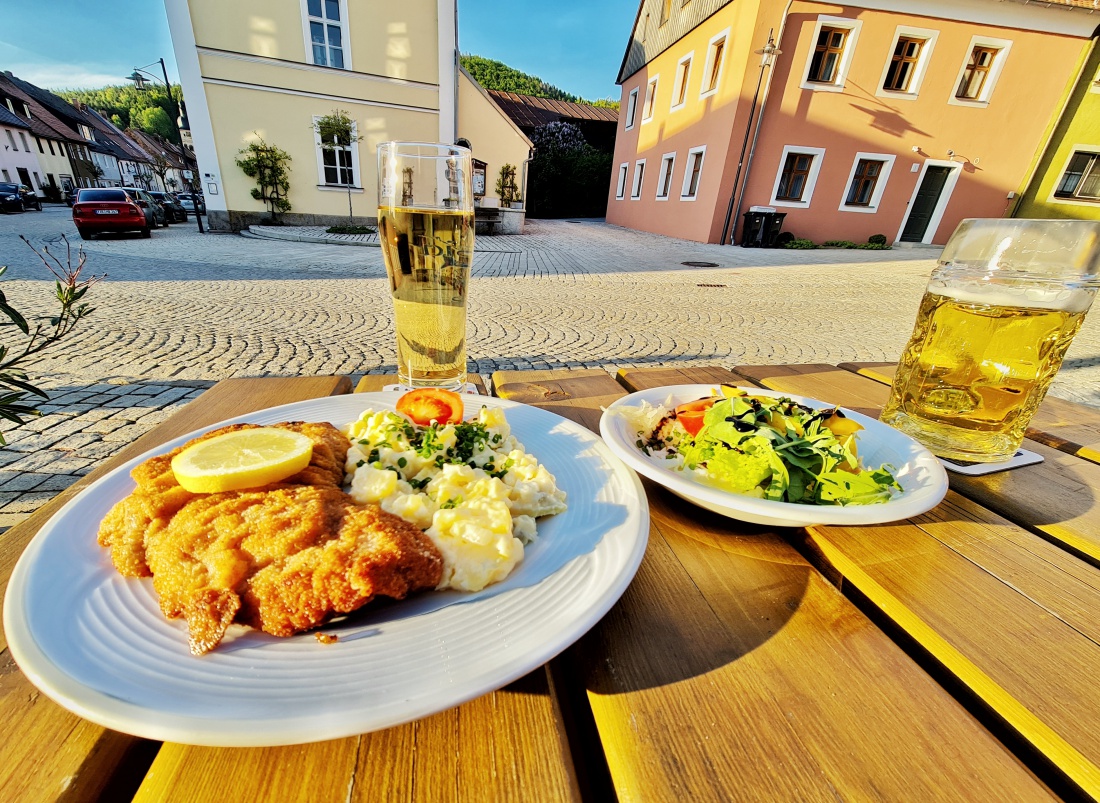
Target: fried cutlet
{"type": "Point", "coordinates": [281, 558]}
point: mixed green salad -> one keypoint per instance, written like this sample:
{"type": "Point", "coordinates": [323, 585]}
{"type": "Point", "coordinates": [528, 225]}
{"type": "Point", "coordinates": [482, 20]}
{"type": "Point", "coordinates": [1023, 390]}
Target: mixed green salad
{"type": "Point", "coordinates": [771, 448]}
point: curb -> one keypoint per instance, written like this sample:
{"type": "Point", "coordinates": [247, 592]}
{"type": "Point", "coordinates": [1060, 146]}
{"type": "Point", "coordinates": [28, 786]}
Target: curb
{"type": "Point", "coordinates": [290, 235]}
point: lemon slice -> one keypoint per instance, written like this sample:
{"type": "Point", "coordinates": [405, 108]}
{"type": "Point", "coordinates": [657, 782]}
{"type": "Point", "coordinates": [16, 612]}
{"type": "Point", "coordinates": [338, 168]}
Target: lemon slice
{"type": "Point", "coordinates": [245, 458]}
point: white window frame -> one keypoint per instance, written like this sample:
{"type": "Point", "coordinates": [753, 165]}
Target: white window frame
{"type": "Point", "coordinates": [853, 26]}
{"type": "Point", "coordinates": [1003, 47]}
{"type": "Point", "coordinates": [345, 40]}
{"type": "Point", "coordinates": [811, 177]}
{"type": "Point", "coordinates": [650, 102]}
{"type": "Point", "coordinates": [631, 109]}
{"type": "Point", "coordinates": [23, 139]}
{"type": "Point", "coordinates": [620, 187]}
{"type": "Point", "coordinates": [639, 179]}
{"type": "Point", "coordinates": [929, 36]}
{"type": "Point", "coordinates": [1075, 201]}
{"type": "Point", "coordinates": [670, 160]}
{"type": "Point", "coordinates": [683, 78]}
{"type": "Point", "coordinates": [708, 65]}
{"type": "Point", "coordinates": [353, 148]}
{"type": "Point", "coordinates": [701, 151]}
{"type": "Point", "coordinates": [11, 139]}
{"type": "Point", "coordinates": [880, 186]}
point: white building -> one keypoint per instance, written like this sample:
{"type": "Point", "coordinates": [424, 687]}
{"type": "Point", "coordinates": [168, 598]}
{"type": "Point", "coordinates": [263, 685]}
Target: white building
{"type": "Point", "coordinates": [18, 161]}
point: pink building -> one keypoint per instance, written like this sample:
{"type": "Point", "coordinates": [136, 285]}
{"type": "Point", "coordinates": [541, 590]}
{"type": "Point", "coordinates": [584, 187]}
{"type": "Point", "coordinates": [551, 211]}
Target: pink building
{"type": "Point", "coordinates": [891, 117]}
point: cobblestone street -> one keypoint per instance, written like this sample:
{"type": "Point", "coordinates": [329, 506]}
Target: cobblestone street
{"type": "Point", "coordinates": [182, 310]}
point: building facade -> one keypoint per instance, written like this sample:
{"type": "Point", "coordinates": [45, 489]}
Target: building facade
{"type": "Point", "coordinates": [887, 117]}
{"type": "Point", "coordinates": [268, 69]}
{"type": "Point", "coordinates": [17, 159]}
{"type": "Point", "coordinates": [53, 139]}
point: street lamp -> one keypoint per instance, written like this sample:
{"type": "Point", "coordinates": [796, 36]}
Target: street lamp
{"type": "Point", "coordinates": [138, 76]}
{"type": "Point", "coordinates": [767, 59]}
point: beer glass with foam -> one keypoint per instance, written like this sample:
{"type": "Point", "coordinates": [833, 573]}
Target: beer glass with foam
{"type": "Point", "coordinates": [426, 229]}
{"type": "Point", "coordinates": [996, 319]}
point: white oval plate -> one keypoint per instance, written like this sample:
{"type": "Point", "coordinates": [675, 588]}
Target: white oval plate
{"type": "Point", "coordinates": [922, 478]}
{"type": "Point", "coordinates": [97, 643]}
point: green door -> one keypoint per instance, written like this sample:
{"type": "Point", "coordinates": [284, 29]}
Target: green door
{"type": "Point", "coordinates": [924, 204]}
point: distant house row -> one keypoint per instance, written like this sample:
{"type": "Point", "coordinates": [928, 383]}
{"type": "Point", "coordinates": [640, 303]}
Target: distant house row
{"type": "Point", "coordinates": [54, 147]}
{"type": "Point", "coordinates": [884, 117]}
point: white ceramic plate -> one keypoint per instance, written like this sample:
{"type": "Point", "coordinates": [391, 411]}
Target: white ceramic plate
{"type": "Point", "coordinates": [922, 478]}
{"type": "Point", "coordinates": [97, 643]}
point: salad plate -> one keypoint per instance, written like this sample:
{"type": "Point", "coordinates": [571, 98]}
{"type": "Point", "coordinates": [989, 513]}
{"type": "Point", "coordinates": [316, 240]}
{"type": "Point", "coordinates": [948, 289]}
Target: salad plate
{"type": "Point", "coordinates": [922, 478]}
{"type": "Point", "coordinates": [97, 643]}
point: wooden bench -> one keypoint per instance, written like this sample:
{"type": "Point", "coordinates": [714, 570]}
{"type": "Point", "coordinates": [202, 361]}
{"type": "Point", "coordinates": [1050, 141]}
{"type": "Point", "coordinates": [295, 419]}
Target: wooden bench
{"type": "Point", "coordinates": [488, 216]}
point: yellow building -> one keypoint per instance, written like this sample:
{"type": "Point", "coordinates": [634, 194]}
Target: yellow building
{"type": "Point", "coordinates": [269, 68]}
{"type": "Point", "coordinates": [1066, 179]}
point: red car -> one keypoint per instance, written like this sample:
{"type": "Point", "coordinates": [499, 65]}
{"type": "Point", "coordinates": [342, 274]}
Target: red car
{"type": "Point", "coordinates": [100, 210]}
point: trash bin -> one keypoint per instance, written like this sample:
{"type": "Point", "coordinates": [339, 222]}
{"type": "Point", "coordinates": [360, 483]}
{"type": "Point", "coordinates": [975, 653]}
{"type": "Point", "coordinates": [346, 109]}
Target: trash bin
{"type": "Point", "coordinates": [762, 227]}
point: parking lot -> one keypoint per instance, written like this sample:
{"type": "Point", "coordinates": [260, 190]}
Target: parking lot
{"type": "Point", "coordinates": [182, 310]}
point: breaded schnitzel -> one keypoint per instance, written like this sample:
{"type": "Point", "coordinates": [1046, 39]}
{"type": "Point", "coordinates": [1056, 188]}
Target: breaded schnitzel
{"type": "Point", "coordinates": [281, 558]}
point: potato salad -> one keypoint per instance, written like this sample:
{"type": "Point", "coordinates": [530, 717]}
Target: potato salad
{"type": "Point", "coordinates": [470, 486]}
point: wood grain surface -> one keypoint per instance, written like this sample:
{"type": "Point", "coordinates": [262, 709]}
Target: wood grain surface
{"type": "Point", "coordinates": [46, 753]}
{"type": "Point", "coordinates": [1058, 423]}
{"type": "Point", "coordinates": [1003, 602]}
{"type": "Point", "coordinates": [731, 669]}
{"type": "Point", "coordinates": [505, 745]}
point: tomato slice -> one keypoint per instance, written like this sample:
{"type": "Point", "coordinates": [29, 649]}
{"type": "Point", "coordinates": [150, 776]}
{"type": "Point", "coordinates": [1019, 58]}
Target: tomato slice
{"type": "Point", "coordinates": [691, 414]}
{"type": "Point", "coordinates": [425, 405]}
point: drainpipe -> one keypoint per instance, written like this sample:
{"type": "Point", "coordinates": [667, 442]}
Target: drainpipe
{"type": "Point", "coordinates": [734, 210]}
{"type": "Point", "coordinates": [523, 174]}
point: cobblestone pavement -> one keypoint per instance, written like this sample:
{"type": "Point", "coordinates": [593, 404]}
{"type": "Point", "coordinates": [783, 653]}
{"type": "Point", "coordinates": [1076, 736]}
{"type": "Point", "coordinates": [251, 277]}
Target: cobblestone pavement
{"type": "Point", "coordinates": [182, 310]}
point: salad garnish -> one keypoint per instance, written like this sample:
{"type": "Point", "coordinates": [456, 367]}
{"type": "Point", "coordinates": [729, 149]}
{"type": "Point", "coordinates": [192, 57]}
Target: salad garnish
{"type": "Point", "coordinates": [771, 448]}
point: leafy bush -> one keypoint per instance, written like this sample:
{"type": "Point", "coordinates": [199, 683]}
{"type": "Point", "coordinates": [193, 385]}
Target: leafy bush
{"type": "Point", "coordinates": [873, 246]}
{"type": "Point", "coordinates": [349, 230]}
{"type": "Point", "coordinates": [877, 239]}
{"type": "Point", "coordinates": [838, 244]}
{"type": "Point", "coordinates": [799, 242]}
{"type": "Point", "coordinates": [268, 165]}
{"type": "Point", "coordinates": [568, 177]}
{"type": "Point", "coordinates": [783, 238]}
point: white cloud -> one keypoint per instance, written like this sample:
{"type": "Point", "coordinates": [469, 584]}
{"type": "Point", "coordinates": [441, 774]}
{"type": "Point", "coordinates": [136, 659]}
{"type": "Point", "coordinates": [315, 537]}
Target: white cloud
{"type": "Point", "coordinates": [63, 76]}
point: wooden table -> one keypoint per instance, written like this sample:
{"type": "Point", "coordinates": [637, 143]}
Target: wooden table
{"type": "Point", "coordinates": [952, 656]}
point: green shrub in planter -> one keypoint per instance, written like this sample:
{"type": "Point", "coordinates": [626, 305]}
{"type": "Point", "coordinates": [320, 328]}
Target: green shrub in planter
{"type": "Point", "coordinates": [799, 242]}
{"type": "Point", "coordinates": [344, 229]}
{"type": "Point", "coordinates": [838, 244]}
{"type": "Point", "coordinates": [877, 239]}
{"type": "Point", "coordinates": [873, 247]}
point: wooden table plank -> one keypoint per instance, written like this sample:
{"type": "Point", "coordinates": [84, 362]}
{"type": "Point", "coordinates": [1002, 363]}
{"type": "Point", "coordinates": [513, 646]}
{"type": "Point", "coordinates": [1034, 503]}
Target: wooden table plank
{"type": "Point", "coordinates": [732, 669]}
{"type": "Point", "coordinates": [1058, 423]}
{"type": "Point", "coordinates": [1057, 498]}
{"type": "Point", "coordinates": [502, 746]}
{"type": "Point", "coordinates": [373, 382]}
{"type": "Point", "coordinates": [46, 752]}
{"type": "Point", "coordinates": [996, 605]}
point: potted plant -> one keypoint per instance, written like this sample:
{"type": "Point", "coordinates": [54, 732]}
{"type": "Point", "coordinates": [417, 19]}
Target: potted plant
{"type": "Point", "coordinates": [506, 188]}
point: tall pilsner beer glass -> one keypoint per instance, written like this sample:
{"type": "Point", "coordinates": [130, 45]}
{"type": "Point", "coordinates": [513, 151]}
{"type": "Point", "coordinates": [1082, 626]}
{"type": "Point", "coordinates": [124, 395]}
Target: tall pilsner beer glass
{"type": "Point", "coordinates": [995, 322]}
{"type": "Point", "coordinates": [426, 228]}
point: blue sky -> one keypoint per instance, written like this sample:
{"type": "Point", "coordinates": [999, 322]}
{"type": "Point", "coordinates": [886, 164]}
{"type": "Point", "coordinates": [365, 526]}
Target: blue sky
{"type": "Point", "coordinates": [577, 45]}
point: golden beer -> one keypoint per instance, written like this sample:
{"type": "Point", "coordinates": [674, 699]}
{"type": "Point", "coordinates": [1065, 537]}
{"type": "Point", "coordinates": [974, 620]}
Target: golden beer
{"type": "Point", "coordinates": [428, 253]}
{"type": "Point", "coordinates": [978, 364]}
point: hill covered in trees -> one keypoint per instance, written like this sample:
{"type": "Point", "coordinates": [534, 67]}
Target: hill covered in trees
{"type": "Point", "coordinates": [499, 76]}
{"type": "Point", "coordinates": [147, 110]}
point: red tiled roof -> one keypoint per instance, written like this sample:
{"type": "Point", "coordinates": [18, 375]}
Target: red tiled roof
{"type": "Point", "coordinates": [531, 112]}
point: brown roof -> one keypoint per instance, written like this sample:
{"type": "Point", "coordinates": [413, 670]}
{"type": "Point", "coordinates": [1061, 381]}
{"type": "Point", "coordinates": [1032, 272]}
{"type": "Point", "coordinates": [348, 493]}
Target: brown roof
{"type": "Point", "coordinates": [42, 121]}
{"type": "Point", "coordinates": [531, 112]}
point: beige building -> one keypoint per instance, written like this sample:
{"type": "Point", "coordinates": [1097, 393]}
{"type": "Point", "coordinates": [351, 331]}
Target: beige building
{"type": "Point", "coordinates": [269, 68]}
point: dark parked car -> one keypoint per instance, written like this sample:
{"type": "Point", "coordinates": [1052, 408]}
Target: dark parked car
{"type": "Point", "coordinates": [70, 195]}
{"type": "Point", "coordinates": [172, 208]}
{"type": "Point", "coordinates": [18, 198]}
{"type": "Point", "coordinates": [160, 217]}
{"type": "Point", "coordinates": [112, 209]}
{"type": "Point", "coordinates": [192, 201]}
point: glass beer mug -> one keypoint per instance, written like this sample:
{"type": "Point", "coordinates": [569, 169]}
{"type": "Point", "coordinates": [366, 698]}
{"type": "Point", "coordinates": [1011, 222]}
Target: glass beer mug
{"type": "Point", "coordinates": [996, 319]}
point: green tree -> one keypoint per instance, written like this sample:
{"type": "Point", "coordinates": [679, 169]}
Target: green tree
{"type": "Point", "coordinates": [568, 177]}
{"type": "Point", "coordinates": [337, 132]}
{"type": "Point", "coordinates": [270, 167]}
{"type": "Point", "coordinates": [155, 120]}
{"type": "Point", "coordinates": [126, 103]}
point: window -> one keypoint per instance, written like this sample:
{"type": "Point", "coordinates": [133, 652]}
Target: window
{"type": "Point", "coordinates": [907, 62]}
{"type": "Point", "coordinates": [38, 141]}
{"type": "Point", "coordinates": [50, 143]}
{"type": "Point", "coordinates": [693, 173]}
{"type": "Point", "coordinates": [620, 187]}
{"type": "Point", "coordinates": [712, 68]}
{"type": "Point", "coordinates": [866, 182]}
{"type": "Point", "coordinates": [664, 179]}
{"type": "Point", "coordinates": [23, 139]}
{"type": "Point", "coordinates": [61, 147]}
{"type": "Point", "coordinates": [7, 176]}
{"type": "Point", "coordinates": [683, 75]}
{"type": "Point", "coordinates": [650, 97]}
{"type": "Point", "coordinates": [325, 22]}
{"type": "Point", "coordinates": [903, 64]}
{"type": "Point", "coordinates": [639, 174]}
{"type": "Point", "coordinates": [631, 108]}
{"type": "Point", "coordinates": [1081, 179]}
{"type": "Point", "coordinates": [338, 163]}
{"type": "Point", "coordinates": [978, 76]}
{"type": "Point", "coordinates": [645, 28]}
{"type": "Point", "coordinates": [797, 176]}
{"type": "Point", "coordinates": [834, 42]}
{"type": "Point", "coordinates": [11, 139]}
{"type": "Point", "coordinates": [666, 10]}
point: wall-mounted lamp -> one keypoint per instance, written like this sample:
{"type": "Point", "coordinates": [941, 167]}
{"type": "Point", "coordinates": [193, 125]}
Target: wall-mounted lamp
{"type": "Point", "coordinates": [950, 154]}
{"type": "Point", "coordinates": [916, 149]}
